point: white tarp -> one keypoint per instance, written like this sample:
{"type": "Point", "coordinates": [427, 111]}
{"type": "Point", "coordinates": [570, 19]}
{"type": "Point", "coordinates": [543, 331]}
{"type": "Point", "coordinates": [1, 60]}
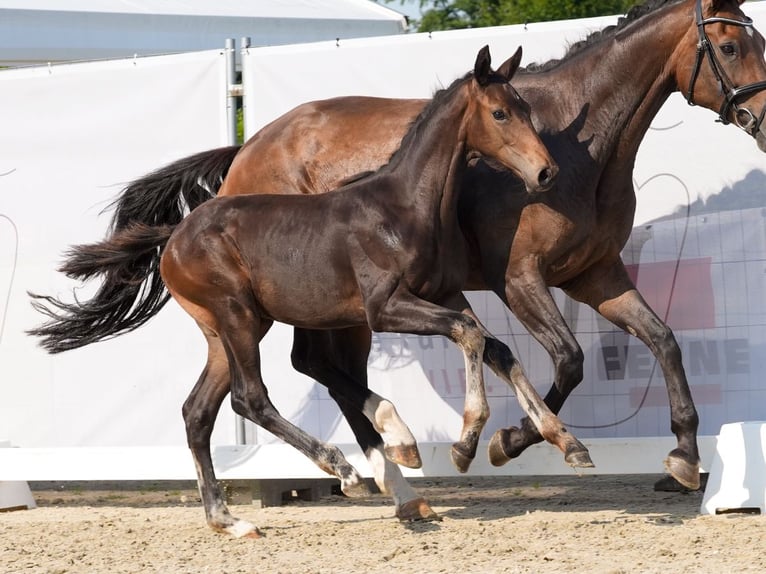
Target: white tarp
{"type": "Point", "coordinates": [72, 136]}
{"type": "Point", "coordinates": [34, 31]}
{"type": "Point", "coordinates": [718, 307]}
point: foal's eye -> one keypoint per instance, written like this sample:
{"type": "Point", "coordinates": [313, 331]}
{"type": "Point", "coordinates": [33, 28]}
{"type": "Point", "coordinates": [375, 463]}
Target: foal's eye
{"type": "Point", "coordinates": [499, 115]}
{"type": "Point", "coordinates": [728, 49]}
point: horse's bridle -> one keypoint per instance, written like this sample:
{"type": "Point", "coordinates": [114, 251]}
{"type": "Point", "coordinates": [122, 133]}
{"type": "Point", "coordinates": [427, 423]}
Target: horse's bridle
{"type": "Point", "coordinates": [743, 117]}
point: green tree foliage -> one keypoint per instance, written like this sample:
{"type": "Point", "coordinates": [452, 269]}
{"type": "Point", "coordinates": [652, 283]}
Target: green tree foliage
{"type": "Point", "coordinates": [452, 14]}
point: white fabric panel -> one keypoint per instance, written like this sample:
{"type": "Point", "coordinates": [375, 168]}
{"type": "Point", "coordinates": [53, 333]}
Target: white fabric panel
{"type": "Point", "coordinates": [412, 66]}
{"type": "Point", "coordinates": [52, 30]}
{"type": "Point", "coordinates": [72, 136]}
{"type": "Point", "coordinates": [686, 157]}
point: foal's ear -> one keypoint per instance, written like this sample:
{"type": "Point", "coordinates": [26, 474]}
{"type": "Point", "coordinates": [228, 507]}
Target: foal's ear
{"type": "Point", "coordinates": [509, 67]}
{"type": "Point", "coordinates": [482, 68]}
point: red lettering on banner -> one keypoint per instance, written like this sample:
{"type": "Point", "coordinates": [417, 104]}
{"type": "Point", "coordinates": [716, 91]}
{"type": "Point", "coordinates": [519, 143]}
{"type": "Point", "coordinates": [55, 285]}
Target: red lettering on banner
{"type": "Point", "coordinates": [693, 303]}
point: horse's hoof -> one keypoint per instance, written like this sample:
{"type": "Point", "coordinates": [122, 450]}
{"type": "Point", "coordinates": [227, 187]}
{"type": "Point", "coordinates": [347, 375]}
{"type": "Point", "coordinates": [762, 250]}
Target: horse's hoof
{"type": "Point", "coordinates": [669, 484]}
{"type": "Point", "coordinates": [686, 473]}
{"type": "Point", "coordinates": [578, 456]}
{"type": "Point", "coordinates": [460, 459]}
{"type": "Point", "coordinates": [405, 455]}
{"type": "Point", "coordinates": [496, 448]}
{"type": "Point", "coordinates": [416, 510]}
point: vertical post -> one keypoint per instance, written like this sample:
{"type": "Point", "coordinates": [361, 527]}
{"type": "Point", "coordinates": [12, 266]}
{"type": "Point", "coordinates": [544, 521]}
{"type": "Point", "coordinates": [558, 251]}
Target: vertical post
{"type": "Point", "coordinates": [231, 97]}
{"type": "Point", "coordinates": [233, 91]}
{"type": "Point", "coordinates": [244, 46]}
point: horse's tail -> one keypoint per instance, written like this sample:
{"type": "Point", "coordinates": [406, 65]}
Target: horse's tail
{"type": "Point", "coordinates": [131, 290]}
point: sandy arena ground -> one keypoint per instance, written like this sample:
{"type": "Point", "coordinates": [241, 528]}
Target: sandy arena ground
{"type": "Point", "coordinates": [590, 524]}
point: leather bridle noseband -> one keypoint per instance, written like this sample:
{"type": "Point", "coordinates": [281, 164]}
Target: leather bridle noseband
{"type": "Point", "coordinates": [743, 117]}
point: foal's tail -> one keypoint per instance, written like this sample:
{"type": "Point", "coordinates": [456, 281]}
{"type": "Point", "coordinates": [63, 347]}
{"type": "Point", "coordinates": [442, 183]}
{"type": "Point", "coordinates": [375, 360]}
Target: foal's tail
{"type": "Point", "coordinates": [131, 290]}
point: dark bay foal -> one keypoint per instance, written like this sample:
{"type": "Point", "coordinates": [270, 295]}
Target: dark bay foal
{"type": "Point", "coordinates": [385, 251]}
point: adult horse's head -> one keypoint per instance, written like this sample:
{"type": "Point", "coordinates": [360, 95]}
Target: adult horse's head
{"type": "Point", "coordinates": [726, 70]}
{"type": "Point", "coordinates": [500, 126]}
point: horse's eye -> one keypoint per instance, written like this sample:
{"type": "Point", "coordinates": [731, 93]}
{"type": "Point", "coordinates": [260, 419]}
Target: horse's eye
{"type": "Point", "coordinates": [499, 115]}
{"type": "Point", "coordinates": [728, 49]}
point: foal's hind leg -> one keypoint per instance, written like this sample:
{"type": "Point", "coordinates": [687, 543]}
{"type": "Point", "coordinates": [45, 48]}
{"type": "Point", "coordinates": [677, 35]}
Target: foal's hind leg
{"type": "Point", "coordinates": [199, 411]}
{"type": "Point", "coordinates": [239, 329]}
{"type": "Point", "coordinates": [338, 360]}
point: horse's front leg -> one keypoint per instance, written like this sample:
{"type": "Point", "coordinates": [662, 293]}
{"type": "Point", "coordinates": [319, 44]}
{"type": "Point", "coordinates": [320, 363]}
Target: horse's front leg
{"type": "Point", "coordinates": [610, 291]}
{"type": "Point", "coordinates": [526, 294]}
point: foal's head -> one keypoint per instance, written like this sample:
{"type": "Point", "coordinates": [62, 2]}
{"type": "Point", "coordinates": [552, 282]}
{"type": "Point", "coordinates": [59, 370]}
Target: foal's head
{"type": "Point", "coordinates": [498, 124]}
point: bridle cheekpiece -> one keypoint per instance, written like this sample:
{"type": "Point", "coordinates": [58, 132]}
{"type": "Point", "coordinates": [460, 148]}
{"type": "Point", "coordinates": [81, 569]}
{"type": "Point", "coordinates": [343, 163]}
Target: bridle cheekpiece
{"type": "Point", "coordinates": [743, 117]}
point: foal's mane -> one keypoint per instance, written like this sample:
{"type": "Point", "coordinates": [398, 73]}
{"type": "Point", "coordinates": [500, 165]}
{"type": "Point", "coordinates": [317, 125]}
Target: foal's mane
{"type": "Point", "coordinates": [635, 13]}
{"type": "Point", "coordinates": [417, 125]}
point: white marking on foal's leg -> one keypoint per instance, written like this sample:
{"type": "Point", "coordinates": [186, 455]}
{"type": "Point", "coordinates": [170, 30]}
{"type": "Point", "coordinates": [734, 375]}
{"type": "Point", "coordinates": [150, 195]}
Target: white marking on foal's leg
{"type": "Point", "coordinates": [386, 420]}
{"type": "Point", "coordinates": [399, 443]}
{"type": "Point", "coordinates": [241, 528]}
{"type": "Point", "coordinates": [389, 477]}
{"type": "Point", "coordinates": [410, 506]}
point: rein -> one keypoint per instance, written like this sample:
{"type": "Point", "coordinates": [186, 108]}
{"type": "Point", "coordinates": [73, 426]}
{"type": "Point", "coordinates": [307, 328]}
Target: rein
{"type": "Point", "coordinates": [743, 117]}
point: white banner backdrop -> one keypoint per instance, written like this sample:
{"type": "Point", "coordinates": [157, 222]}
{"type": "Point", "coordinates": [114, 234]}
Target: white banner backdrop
{"type": "Point", "coordinates": [718, 307]}
{"type": "Point", "coordinates": [72, 136]}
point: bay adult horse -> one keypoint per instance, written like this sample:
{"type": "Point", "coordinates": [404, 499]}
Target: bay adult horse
{"type": "Point", "coordinates": [385, 252]}
{"type": "Point", "coordinates": [592, 108]}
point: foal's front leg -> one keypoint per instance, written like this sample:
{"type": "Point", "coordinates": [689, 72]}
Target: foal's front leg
{"type": "Point", "coordinates": [526, 294]}
{"type": "Point", "coordinates": [502, 362]}
{"type": "Point", "coordinates": [403, 312]}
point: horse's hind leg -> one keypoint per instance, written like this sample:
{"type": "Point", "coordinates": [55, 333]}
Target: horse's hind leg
{"type": "Point", "coordinates": [199, 411]}
{"type": "Point", "coordinates": [338, 360]}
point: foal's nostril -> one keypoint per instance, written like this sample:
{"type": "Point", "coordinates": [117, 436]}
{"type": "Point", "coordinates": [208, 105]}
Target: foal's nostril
{"type": "Point", "coordinates": [546, 177]}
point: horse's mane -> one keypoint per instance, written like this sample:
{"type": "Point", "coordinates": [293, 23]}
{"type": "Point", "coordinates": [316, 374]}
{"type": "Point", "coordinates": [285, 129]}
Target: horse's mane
{"type": "Point", "coordinates": [596, 37]}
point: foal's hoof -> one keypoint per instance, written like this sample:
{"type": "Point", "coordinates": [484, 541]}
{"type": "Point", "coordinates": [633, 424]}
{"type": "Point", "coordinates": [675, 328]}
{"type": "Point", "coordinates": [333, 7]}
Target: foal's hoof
{"type": "Point", "coordinates": [404, 454]}
{"type": "Point", "coordinates": [578, 456]}
{"type": "Point", "coordinates": [685, 472]}
{"type": "Point", "coordinates": [416, 510]}
{"type": "Point", "coordinates": [355, 489]}
{"type": "Point", "coordinates": [496, 448]}
{"type": "Point", "coordinates": [239, 529]}
{"type": "Point", "coordinates": [460, 458]}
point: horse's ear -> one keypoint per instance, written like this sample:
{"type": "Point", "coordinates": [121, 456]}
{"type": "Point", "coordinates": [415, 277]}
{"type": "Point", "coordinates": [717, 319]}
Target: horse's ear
{"type": "Point", "coordinates": [482, 68]}
{"type": "Point", "coordinates": [509, 67]}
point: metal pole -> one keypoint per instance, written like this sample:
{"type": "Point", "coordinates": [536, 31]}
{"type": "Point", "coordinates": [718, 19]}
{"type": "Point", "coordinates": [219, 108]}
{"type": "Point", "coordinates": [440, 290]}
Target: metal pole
{"type": "Point", "coordinates": [231, 97]}
{"type": "Point", "coordinates": [244, 46]}
{"type": "Point", "coordinates": [233, 91]}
